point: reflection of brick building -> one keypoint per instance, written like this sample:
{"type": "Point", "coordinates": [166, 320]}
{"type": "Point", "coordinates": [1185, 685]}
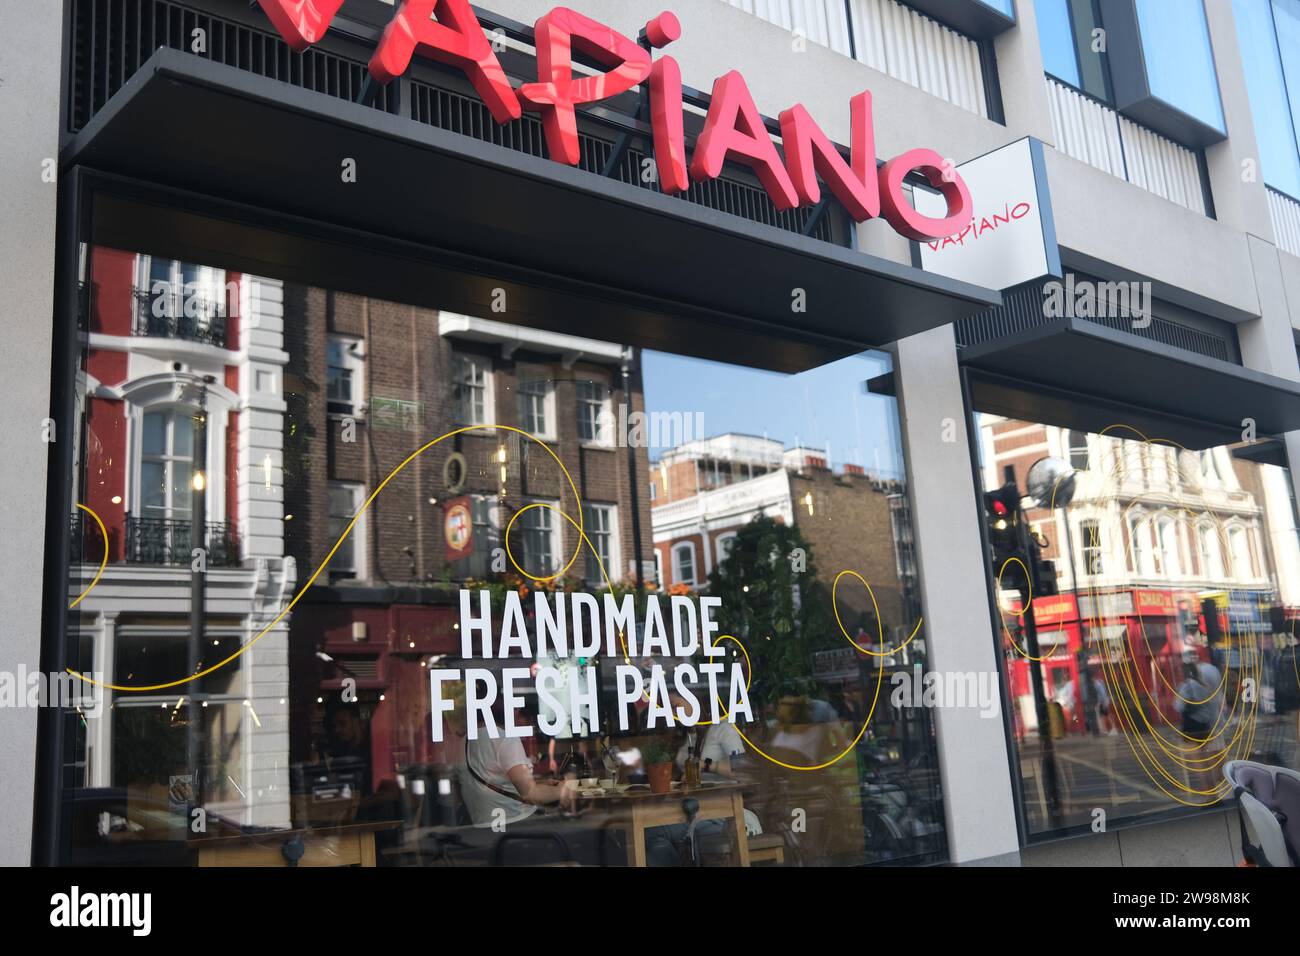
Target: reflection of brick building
{"type": "Point", "coordinates": [370, 382]}
{"type": "Point", "coordinates": [706, 491]}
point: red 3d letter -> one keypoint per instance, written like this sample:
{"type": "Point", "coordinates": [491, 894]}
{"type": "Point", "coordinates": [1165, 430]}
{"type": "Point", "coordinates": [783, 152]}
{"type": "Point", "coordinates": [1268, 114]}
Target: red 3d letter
{"type": "Point", "coordinates": [734, 127]}
{"type": "Point", "coordinates": [558, 34]}
{"type": "Point", "coordinates": [301, 22]}
{"type": "Point", "coordinates": [808, 152]}
{"type": "Point", "coordinates": [940, 174]}
{"type": "Point", "coordinates": [455, 39]}
{"type": "Point", "coordinates": [666, 121]}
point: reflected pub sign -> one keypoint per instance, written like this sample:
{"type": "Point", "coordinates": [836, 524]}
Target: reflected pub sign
{"type": "Point", "coordinates": [448, 32]}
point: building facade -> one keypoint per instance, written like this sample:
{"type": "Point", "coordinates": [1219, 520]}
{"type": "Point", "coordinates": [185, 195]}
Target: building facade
{"type": "Point", "coordinates": [435, 262]}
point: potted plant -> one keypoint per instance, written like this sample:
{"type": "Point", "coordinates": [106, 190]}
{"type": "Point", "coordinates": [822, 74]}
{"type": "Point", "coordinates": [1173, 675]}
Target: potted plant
{"type": "Point", "coordinates": [658, 756]}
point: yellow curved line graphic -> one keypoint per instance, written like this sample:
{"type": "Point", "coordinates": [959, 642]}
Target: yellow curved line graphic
{"type": "Point", "coordinates": [103, 563]}
{"type": "Point", "coordinates": [537, 579]}
{"type": "Point", "coordinates": [337, 544]}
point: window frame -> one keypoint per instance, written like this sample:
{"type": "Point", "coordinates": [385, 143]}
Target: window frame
{"type": "Point", "coordinates": [552, 530]}
{"type": "Point", "coordinates": [612, 560]}
{"type": "Point", "coordinates": [353, 352]}
{"type": "Point", "coordinates": [359, 567]}
{"type": "Point", "coordinates": [685, 547]}
{"type": "Point", "coordinates": [477, 363]}
{"type": "Point", "coordinates": [527, 375]}
{"type": "Point", "coordinates": [604, 417]}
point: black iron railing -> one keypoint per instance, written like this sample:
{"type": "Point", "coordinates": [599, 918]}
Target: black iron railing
{"type": "Point", "coordinates": [161, 315]}
{"type": "Point", "coordinates": [168, 541]}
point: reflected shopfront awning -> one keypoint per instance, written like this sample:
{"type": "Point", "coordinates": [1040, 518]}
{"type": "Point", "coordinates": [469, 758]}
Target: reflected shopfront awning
{"type": "Point", "coordinates": [443, 220]}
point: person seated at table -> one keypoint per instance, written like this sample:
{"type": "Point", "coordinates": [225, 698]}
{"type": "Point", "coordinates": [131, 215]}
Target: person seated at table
{"type": "Point", "coordinates": [498, 776]}
{"type": "Point", "coordinates": [721, 743]}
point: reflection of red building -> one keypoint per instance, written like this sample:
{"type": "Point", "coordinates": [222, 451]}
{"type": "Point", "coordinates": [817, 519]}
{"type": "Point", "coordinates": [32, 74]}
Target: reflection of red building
{"type": "Point", "coordinates": [1138, 632]}
{"type": "Point", "coordinates": [386, 649]}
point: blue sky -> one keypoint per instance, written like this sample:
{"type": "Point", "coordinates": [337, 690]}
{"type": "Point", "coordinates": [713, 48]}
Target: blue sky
{"type": "Point", "coordinates": [825, 404]}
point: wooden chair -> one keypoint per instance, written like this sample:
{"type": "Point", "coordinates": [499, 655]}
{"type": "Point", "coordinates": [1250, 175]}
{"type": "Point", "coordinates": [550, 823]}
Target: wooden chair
{"type": "Point", "coordinates": [767, 848]}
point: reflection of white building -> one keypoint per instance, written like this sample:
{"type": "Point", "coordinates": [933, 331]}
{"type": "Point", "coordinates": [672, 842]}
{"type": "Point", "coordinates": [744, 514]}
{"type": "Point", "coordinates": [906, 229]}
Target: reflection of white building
{"type": "Point", "coordinates": [168, 343]}
{"type": "Point", "coordinates": [1149, 514]}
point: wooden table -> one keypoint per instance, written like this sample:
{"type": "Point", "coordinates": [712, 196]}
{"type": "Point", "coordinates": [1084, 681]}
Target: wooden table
{"type": "Point", "coordinates": [351, 844]}
{"type": "Point", "coordinates": [638, 810]}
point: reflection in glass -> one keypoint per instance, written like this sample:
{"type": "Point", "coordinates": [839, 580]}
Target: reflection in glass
{"type": "Point", "coordinates": [783, 497]}
{"type": "Point", "coordinates": [1173, 651]}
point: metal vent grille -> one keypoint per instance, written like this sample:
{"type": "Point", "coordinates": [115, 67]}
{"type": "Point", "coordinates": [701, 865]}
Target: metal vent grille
{"type": "Point", "coordinates": [1022, 309]}
{"type": "Point", "coordinates": [362, 668]}
{"type": "Point", "coordinates": [113, 38]}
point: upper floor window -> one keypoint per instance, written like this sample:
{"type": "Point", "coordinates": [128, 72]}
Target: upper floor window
{"type": "Point", "coordinates": [540, 539]}
{"type": "Point", "coordinates": [345, 501]}
{"type": "Point", "coordinates": [1090, 538]}
{"type": "Point", "coordinates": [1178, 59]}
{"type": "Point", "coordinates": [344, 367]}
{"type": "Point", "coordinates": [602, 531]}
{"type": "Point", "coordinates": [536, 401]}
{"type": "Point", "coordinates": [471, 393]}
{"type": "Point", "coordinates": [1167, 535]}
{"type": "Point", "coordinates": [1071, 46]}
{"type": "Point", "coordinates": [595, 414]}
{"type": "Point", "coordinates": [684, 564]}
{"type": "Point", "coordinates": [1239, 546]}
{"type": "Point", "coordinates": [181, 300]}
{"type": "Point", "coordinates": [1076, 445]}
{"type": "Point", "coordinates": [1153, 62]}
{"type": "Point", "coordinates": [1139, 533]}
{"type": "Point", "coordinates": [1211, 557]}
{"type": "Point", "coordinates": [166, 463]}
{"type": "Point", "coordinates": [1269, 36]}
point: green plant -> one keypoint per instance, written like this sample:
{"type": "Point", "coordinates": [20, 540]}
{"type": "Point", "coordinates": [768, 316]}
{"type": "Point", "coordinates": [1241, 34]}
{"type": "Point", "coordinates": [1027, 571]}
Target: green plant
{"type": "Point", "coordinates": [773, 601]}
{"type": "Point", "coordinates": [658, 750]}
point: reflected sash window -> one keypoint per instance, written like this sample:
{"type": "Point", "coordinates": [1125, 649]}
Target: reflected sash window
{"type": "Point", "coordinates": [166, 463]}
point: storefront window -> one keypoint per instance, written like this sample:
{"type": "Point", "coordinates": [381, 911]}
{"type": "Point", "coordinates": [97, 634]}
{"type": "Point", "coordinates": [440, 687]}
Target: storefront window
{"type": "Point", "coordinates": [1172, 653]}
{"type": "Point", "coordinates": [324, 571]}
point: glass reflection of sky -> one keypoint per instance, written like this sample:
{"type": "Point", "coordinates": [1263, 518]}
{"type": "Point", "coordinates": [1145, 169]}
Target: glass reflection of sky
{"type": "Point", "coordinates": [824, 406]}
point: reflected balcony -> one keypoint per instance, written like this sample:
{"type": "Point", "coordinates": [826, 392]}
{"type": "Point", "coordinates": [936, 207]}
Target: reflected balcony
{"type": "Point", "coordinates": [164, 315]}
{"type": "Point", "coordinates": [167, 541]}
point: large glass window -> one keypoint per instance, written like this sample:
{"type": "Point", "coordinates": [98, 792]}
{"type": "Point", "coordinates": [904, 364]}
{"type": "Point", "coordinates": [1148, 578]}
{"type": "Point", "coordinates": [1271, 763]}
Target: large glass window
{"type": "Point", "coordinates": [768, 535]}
{"type": "Point", "coordinates": [1268, 32]}
{"type": "Point", "coordinates": [1178, 60]}
{"type": "Point", "coordinates": [1172, 654]}
{"type": "Point", "coordinates": [1071, 45]}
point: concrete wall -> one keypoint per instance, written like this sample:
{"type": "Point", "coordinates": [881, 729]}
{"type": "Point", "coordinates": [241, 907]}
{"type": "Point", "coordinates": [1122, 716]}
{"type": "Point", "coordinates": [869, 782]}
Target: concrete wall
{"type": "Point", "coordinates": [30, 35]}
